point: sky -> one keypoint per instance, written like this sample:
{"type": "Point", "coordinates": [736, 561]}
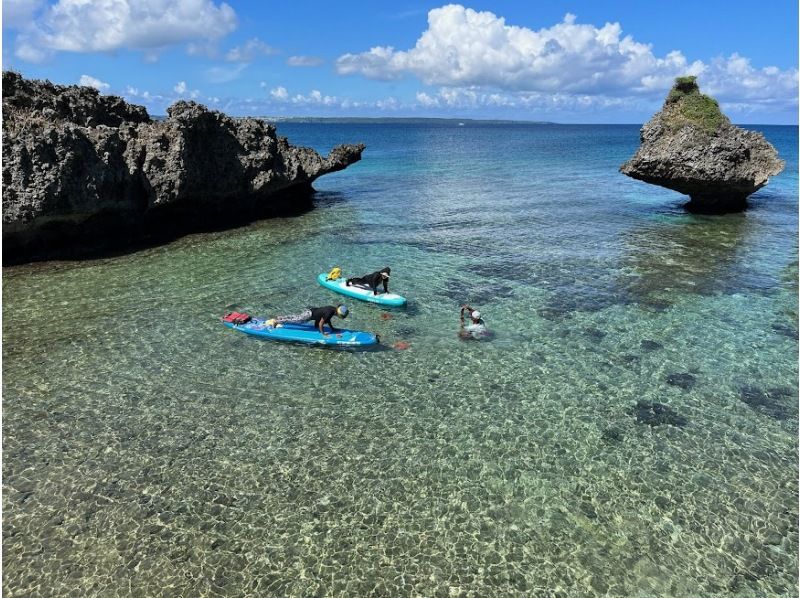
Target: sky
{"type": "Point", "coordinates": [573, 62]}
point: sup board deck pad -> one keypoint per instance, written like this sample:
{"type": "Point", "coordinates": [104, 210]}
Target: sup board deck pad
{"type": "Point", "coordinates": [305, 333]}
{"type": "Point", "coordinates": [361, 293]}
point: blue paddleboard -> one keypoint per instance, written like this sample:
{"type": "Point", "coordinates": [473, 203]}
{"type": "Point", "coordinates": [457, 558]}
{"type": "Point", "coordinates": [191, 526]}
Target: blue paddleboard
{"type": "Point", "coordinates": [340, 286]}
{"type": "Point", "coordinates": [305, 333]}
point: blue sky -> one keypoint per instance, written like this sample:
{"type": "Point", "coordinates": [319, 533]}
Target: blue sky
{"type": "Point", "coordinates": [582, 61]}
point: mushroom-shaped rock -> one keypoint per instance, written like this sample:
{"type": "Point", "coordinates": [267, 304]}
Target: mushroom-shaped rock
{"type": "Point", "coordinates": [691, 147]}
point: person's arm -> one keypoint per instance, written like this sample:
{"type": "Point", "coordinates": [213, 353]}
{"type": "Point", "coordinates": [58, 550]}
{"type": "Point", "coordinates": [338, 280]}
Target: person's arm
{"type": "Point", "coordinates": [330, 324]}
{"type": "Point", "coordinates": [321, 324]}
{"type": "Point", "coordinates": [462, 333]}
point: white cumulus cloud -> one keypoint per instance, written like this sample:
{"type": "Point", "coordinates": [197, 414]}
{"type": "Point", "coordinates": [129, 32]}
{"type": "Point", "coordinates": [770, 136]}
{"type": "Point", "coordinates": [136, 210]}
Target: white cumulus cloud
{"type": "Point", "coordinates": [90, 81]}
{"type": "Point", "coordinates": [280, 94]}
{"type": "Point", "coordinates": [183, 91]}
{"type": "Point", "coordinates": [467, 49]}
{"type": "Point", "coordinates": [735, 80]}
{"type": "Point", "coordinates": [134, 94]}
{"type": "Point", "coordinates": [314, 98]}
{"type": "Point", "coordinates": [249, 51]}
{"type": "Point", "coordinates": [389, 103]}
{"type": "Point", "coordinates": [108, 25]}
{"type": "Point", "coordinates": [19, 12]}
{"type": "Point", "coordinates": [423, 99]}
{"type": "Point", "coordinates": [526, 101]}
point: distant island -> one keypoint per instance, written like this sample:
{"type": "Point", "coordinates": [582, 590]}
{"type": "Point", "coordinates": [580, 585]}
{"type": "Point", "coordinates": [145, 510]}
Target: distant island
{"type": "Point", "coordinates": [390, 120]}
{"type": "Point", "coordinates": [400, 120]}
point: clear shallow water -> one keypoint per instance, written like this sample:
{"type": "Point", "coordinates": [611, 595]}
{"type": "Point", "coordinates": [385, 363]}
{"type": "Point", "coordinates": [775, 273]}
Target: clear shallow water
{"type": "Point", "coordinates": [150, 451]}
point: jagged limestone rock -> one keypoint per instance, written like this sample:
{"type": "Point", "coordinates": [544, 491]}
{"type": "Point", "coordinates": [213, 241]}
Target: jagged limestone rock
{"type": "Point", "coordinates": [81, 169]}
{"type": "Point", "coordinates": [691, 147]}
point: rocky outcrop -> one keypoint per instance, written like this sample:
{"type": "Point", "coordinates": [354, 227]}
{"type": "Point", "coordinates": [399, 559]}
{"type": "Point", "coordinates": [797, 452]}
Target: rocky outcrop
{"type": "Point", "coordinates": [691, 147]}
{"type": "Point", "coordinates": [81, 170]}
{"type": "Point", "coordinates": [80, 105]}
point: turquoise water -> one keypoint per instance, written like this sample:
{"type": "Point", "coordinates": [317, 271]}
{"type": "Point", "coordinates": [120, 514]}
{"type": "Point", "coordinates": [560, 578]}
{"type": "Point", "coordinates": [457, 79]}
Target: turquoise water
{"type": "Point", "coordinates": [630, 428]}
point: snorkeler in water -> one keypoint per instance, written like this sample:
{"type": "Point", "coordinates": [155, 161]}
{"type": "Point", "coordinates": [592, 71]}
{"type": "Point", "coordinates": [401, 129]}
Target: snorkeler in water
{"type": "Point", "coordinates": [476, 328]}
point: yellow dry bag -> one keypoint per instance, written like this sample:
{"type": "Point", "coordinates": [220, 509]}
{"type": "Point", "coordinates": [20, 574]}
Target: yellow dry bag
{"type": "Point", "coordinates": [335, 273]}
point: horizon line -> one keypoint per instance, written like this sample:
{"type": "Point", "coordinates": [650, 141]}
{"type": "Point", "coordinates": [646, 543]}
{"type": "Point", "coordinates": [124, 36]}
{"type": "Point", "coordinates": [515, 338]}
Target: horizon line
{"type": "Point", "coordinates": [277, 119]}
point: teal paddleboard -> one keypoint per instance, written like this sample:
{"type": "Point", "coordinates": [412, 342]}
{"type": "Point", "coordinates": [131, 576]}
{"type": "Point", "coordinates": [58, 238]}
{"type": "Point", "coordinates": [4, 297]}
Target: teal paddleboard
{"type": "Point", "coordinates": [340, 286]}
{"type": "Point", "coordinates": [305, 333]}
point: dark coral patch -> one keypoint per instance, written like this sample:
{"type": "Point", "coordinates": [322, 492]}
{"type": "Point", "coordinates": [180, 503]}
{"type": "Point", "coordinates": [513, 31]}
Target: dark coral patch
{"type": "Point", "coordinates": [629, 360]}
{"type": "Point", "coordinates": [658, 414]}
{"type": "Point", "coordinates": [785, 330]}
{"type": "Point", "coordinates": [768, 402]}
{"type": "Point", "coordinates": [594, 334]}
{"type": "Point", "coordinates": [476, 293]}
{"type": "Point", "coordinates": [612, 435]}
{"type": "Point", "coordinates": [683, 380]}
{"type": "Point", "coordinates": [648, 345]}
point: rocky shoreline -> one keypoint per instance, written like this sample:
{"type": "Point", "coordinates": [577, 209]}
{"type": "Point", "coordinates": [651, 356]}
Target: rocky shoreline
{"type": "Point", "coordinates": [84, 172]}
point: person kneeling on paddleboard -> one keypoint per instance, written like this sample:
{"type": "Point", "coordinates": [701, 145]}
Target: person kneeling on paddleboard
{"type": "Point", "coordinates": [476, 328]}
{"type": "Point", "coordinates": [373, 280]}
{"type": "Point", "coordinates": [320, 315]}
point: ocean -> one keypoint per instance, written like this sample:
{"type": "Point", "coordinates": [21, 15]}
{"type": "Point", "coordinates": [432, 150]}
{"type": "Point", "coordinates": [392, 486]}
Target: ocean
{"type": "Point", "coordinates": [630, 427]}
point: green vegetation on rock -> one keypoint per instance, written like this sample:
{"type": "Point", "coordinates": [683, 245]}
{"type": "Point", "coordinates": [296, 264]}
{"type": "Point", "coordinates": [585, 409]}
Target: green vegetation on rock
{"type": "Point", "coordinates": [683, 86]}
{"type": "Point", "coordinates": [692, 107]}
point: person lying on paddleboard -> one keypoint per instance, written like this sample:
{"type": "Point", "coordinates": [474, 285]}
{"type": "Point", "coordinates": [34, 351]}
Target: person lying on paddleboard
{"type": "Point", "coordinates": [476, 327]}
{"type": "Point", "coordinates": [372, 280]}
{"type": "Point", "coordinates": [320, 315]}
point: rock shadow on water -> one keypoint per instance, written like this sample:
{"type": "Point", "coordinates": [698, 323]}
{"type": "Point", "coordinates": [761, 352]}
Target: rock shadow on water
{"type": "Point", "coordinates": [329, 198]}
{"type": "Point", "coordinates": [658, 414]}
{"type": "Point", "coordinates": [779, 403]}
{"type": "Point", "coordinates": [695, 255]}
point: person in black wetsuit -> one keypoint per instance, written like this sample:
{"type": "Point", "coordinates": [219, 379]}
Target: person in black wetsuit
{"type": "Point", "coordinates": [320, 315]}
{"type": "Point", "coordinates": [373, 280]}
